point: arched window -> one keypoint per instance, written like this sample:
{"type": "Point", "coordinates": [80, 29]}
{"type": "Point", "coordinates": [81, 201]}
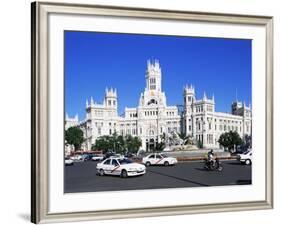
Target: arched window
{"type": "Point", "coordinates": [152, 101]}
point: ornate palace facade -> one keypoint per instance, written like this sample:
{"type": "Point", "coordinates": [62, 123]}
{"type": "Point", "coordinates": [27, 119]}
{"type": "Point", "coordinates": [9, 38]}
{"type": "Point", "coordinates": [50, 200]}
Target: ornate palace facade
{"type": "Point", "coordinates": [153, 117]}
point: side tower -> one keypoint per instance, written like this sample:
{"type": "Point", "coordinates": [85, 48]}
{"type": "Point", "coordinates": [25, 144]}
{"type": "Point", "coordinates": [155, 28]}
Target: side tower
{"type": "Point", "coordinates": [110, 99]}
{"type": "Point", "coordinates": [189, 99]}
{"type": "Point", "coordinates": [153, 76]}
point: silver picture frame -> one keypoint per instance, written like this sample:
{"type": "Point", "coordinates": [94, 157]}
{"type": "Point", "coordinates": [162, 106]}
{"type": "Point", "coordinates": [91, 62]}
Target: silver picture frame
{"type": "Point", "coordinates": [40, 110]}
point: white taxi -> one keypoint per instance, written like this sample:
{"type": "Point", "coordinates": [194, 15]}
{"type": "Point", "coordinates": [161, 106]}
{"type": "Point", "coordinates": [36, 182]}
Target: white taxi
{"type": "Point", "coordinates": [245, 157]}
{"type": "Point", "coordinates": [159, 159]}
{"type": "Point", "coordinates": [122, 167]}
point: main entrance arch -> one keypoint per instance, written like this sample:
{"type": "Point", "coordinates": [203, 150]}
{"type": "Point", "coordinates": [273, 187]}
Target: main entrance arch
{"type": "Point", "coordinates": [151, 140]}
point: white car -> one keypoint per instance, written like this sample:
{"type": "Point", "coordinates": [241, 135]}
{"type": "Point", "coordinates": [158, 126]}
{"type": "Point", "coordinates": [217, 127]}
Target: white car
{"type": "Point", "coordinates": [97, 157]}
{"type": "Point", "coordinates": [167, 149]}
{"type": "Point", "coordinates": [246, 157]}
{"type": "Point", "coordinates": [76, 158]}
{"type": "Point", "coordinates": [122, 167]}
{"type": "Point", "coordinates": [159, 159]}
{"type": "Point", "coordinates": [68, 162]}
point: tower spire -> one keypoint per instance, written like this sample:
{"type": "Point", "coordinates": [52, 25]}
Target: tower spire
{"type": "Point", "coordinates": [204, 96]}
{"type": "Point", "coordinates": [92, 101]}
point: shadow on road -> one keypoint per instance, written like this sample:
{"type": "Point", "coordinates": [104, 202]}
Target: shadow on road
{"type": "Point", "coordinates": [242, 182]}
{"type": "Point", "coordinates": [234, 163]}
{"type": "Point", "coordinates": [200, 169]}
{"type": "Point", "coordinates": [181, 179]}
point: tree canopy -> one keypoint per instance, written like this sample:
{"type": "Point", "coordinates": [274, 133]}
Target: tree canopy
{"type": "Point", "coordinates": [74, 136]}
{"type": "Point", "coordinates": [117, 143]}
{"type": "Point", "coordinates": [230, 140]}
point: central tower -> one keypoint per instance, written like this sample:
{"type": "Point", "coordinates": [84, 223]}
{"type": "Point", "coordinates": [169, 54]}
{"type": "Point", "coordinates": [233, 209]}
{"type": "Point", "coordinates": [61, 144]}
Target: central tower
{"type": "Point", "coordinates": [153, 76]}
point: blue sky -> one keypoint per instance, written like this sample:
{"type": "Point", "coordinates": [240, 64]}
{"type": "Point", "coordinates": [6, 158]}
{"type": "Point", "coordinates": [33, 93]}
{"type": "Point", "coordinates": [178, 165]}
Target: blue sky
{"type": "Point", "coordinates": [94, 61]}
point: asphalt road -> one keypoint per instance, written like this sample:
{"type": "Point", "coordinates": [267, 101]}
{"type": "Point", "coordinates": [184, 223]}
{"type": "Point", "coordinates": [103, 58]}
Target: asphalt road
{"type": "Point", "coordinates": [82, 177]}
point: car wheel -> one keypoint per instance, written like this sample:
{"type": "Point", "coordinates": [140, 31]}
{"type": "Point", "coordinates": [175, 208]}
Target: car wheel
{"type": "Point", "coordinates": [101, 172]}
{"type": "Point", "coordinates": [166, 163]}
{"type": "Point", "coordinates": [124, 174]}
{"type": "Point", "coordinates": [248, 162]}
{"type": "Point", "coordinates": [147, 164]}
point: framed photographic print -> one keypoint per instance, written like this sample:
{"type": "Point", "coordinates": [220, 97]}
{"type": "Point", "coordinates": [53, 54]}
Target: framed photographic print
{"type": "Point", "coordinates": [146, 112]}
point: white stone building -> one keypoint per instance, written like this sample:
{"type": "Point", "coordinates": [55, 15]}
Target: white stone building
{"type": "Point", "coordinates": [153, 117]}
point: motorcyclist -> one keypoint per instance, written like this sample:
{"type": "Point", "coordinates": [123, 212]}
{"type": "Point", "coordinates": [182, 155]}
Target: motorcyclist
{"type": "Point", "coordinates": [211, 157]}
{"type": "Point", "coordinates": [212, 162]}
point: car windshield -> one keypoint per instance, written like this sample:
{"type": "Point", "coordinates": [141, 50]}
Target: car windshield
{"type": "Point", "coordinates": [164, 156]}
{"type": "Point", "coordinates": [125, 161]}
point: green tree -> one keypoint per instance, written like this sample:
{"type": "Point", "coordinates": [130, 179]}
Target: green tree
{"type": "Point", "coordinates": [118, 143]}
{"type": "Point", "coordinates": [132, 144]}
{"type": "Point", "coordinates": [248, 141]}
{"type": "Point", "coordinates": [230, 140]}
{"type": "Point", "coordinates": [74, 136]}
{"type": "Point", "coordinates": [104, 143]}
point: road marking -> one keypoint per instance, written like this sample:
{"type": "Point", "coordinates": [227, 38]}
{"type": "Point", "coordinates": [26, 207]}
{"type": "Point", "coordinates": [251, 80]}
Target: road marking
{"type": "Point", "coordinates": [115, 168]}
{"type": "Point", "coordinates": [159, 160]}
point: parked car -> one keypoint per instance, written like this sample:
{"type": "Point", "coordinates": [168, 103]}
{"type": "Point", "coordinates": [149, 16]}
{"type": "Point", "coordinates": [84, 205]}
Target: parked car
{"type": "Point", "coordinates": [167, 149]}
{"type": "Point", "coordinates": [87, 157]}
{"type": "Point", "coordinates": [130, 155]}
{"type": "Point", "coordinates": [108, 155]}
{"type": "Point", "coordinates": [159, 159]}
{"type": "Point", "coordinates": [122, 167]}
{"type": "Point", "coordinates": [97, 157]}
{"type": "Point", "coordinates": [77, 158]}
{"type": "Point", "coordinates": [68, 161]}
{"type": "Point", "coordinates": [245, 157]}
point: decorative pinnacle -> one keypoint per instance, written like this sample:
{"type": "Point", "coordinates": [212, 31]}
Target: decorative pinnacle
{"type": "Point", "coordinates": [204, 96]}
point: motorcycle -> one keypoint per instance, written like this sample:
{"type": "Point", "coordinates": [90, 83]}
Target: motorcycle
{"type": "Point", "coordinates": [213, 165]}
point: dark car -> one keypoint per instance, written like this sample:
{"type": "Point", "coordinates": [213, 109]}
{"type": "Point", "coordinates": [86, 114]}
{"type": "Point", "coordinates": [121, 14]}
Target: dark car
{"type": "Point", "coordinates": [108, 155]}
{"type": "Point", "coordinates": [130, 155]}
{"type": "Point", "coordinates": [87, 157]}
